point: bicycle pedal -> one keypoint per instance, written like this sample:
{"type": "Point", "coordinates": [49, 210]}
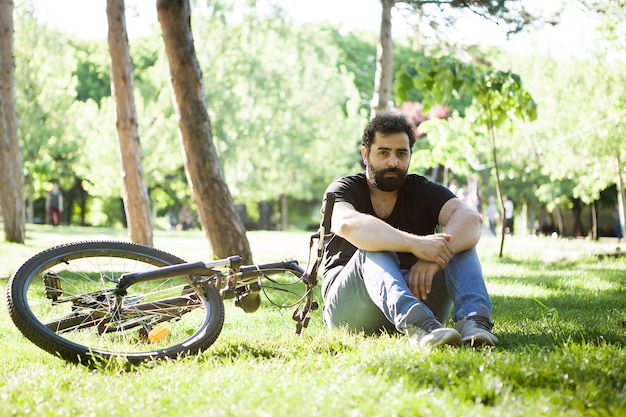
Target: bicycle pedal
{"type": "Point", "coordinates": [158, 333]}
{"type": "Point", "coordinates": [249, 302]}
{"type": "Point", "coordinates": [52, 284]}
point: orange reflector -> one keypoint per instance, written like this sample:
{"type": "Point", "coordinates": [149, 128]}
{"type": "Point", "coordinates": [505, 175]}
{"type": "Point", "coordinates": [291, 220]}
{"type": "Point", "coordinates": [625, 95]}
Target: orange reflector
{"type": "Point", "coordinates": [159, 333]}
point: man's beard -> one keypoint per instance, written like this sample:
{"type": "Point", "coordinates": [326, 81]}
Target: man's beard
{"type": "Point", "coordinates": [383, 183]}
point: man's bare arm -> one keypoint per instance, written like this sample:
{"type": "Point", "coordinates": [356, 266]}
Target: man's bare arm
{"type": "Point", "coordinates": [462, 222]}
{"type": "Point", "coordinates": [370, 233]}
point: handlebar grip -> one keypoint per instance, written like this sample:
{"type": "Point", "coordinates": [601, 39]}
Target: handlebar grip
{"type": "Point", "coordinates": [328, 211]}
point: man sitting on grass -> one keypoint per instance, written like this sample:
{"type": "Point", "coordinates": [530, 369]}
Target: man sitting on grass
{"type": "Point", "coordinates": [385, 268]}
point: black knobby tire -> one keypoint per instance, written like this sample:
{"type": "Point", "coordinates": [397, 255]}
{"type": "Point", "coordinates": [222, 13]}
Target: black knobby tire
{"type": "Point", "coordinates": [88, 329]}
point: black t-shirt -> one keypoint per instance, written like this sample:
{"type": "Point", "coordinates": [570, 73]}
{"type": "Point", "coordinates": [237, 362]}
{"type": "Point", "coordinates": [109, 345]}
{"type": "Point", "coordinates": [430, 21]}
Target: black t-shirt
{"type": "Point", "coordinates": [416, 211]}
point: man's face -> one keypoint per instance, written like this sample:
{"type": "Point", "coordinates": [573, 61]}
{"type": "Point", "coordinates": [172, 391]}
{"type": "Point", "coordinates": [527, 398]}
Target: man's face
{"type": "Point", "coordinates": [387, 161]}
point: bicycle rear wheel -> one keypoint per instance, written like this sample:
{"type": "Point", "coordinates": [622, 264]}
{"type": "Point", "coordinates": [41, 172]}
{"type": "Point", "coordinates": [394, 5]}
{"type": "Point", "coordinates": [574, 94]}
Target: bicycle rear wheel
{"type": "Point", "coordinates": [63, 300]}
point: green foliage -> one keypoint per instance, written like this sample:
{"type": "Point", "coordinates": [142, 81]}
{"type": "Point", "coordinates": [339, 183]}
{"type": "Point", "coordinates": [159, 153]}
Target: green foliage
{"type": "Point", "coordinates": [43, 97]}
{"type": "Point", "coordinates": [451, 143]}
{"type": "Point", "coordinates": [483, 98]}
{"type": "Point", "coordinates": [287, 104]}
{"type": "Point", "coordinates": [574, 142]}
{"type": "Point", "coordinates": [92, 71]}
{"type": "Point", "coordinates": [498, 95]}
{"type": "Point", "coordinates": [279, 103]}
{"type": "Point", "coordinates": [357, 54]}
{"type": "Point", "coordinates": [284, 117]}
{"type": "Point", "coordinates": [512, 15]}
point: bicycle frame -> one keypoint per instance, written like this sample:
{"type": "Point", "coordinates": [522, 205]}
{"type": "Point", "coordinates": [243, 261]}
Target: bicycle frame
{"type": "Point", "coordinates": [95, 300]}
{"type": "Point", "coordinates": [240, 280]}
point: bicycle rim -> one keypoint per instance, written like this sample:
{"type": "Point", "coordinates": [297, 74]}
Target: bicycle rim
{"type": "Point", "coordinates": [62, 300]}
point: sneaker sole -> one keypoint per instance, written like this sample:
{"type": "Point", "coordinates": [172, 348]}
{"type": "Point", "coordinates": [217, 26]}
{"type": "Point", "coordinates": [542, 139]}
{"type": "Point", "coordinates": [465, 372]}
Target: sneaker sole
{"type": "Point", "coordinates": [440, 337]}
{"type": "Point", "coordinates": [480, 339]}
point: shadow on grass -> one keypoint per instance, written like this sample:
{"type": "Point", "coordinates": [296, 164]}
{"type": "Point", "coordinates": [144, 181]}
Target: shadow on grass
{"type": "Point", "coordinates": [568, 346]}
{"type": "Point", "coordinates": [576, 316]}
{"type": "Point", "coordinates": [572, 377]}
{"type": "Point", "coordinates": [232, 348]}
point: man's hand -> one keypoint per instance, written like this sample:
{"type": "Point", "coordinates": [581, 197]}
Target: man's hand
{"type": "Point", "coordinates": [421, 278]}
{"type": "Point", "coordinates": [434, 248]}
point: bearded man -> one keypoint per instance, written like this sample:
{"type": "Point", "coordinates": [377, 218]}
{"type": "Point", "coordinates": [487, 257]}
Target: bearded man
{"type": "Point", "coordinates": [386, 269]}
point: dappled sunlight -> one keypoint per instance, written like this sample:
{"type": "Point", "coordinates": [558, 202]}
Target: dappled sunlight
{"type": "Point", "coordinates": [546, 249]}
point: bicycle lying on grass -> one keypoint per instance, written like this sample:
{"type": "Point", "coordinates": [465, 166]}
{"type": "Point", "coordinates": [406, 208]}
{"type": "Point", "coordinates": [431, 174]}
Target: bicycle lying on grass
{"type": "Point", "coordinates": [95, 300]}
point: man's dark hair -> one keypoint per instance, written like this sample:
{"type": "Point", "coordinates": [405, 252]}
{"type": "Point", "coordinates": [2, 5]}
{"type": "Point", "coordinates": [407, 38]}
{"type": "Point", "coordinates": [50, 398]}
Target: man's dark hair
{"type": "Point", "coordinates": [387, 123]}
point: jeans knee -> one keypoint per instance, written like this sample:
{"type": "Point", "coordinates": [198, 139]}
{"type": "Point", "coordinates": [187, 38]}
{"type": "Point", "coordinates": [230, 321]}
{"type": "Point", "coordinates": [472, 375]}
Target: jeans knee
{"type": "Point", "coordinates": [379, 258]}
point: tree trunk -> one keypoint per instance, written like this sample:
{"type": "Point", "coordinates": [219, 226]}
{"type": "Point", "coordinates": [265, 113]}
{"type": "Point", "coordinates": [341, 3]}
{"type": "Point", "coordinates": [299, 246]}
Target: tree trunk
{"type": "Point", "coordinates": [384, 62]}
{"type": "Point", "coordinates": [12, 203]}
{"type": "Point", "coordinates": [577, 209]}
{"type": "Point", "coordinates": [559, 221]}
{"type": "Point", "coordinates": [284, 212]}
{"type": "Point", "coordinates": [621, 200]}
{"type": "Point", "coordinates": [593, 217]}
{"type": "Point", "coordinates": [136, 198]}
{"type": "Point", "coordinates": [216, 209]}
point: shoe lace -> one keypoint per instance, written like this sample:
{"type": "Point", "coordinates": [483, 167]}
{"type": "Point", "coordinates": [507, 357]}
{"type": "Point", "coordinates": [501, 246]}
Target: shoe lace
{"type": "Point", "coordinates": [482, 322]}
{"type": "Point", "coordinates": [429, 324]}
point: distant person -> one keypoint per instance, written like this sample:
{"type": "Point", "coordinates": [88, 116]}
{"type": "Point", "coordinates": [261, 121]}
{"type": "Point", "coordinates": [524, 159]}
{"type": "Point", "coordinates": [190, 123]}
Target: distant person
{"type": "Point", "coordinates": [385, 267]}
{"type": "Point", "coordinates": [492, 214]}
{"type": "Point", "coordinates": [509, 209]}
{"type": "Point", "coordinates": [544, 225]}
{"type": "Point", "coordinates": [54, 204]}
{"type": "Point", "coordinates": [185, 218]}
{"type": "Point", "coordinates": [171, 219]}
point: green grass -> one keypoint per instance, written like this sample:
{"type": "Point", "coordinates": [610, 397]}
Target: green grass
{"type": "Point", "coordinates": [559, 308]}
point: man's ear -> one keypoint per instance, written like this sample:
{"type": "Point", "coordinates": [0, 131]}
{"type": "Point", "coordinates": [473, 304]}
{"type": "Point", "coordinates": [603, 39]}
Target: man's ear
{"type": "Point", "coordinates": [364, 153]}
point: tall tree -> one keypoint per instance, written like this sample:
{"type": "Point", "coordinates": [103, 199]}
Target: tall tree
{"type": "Point", "coordinates": [43, 96]}
{"type": "Point", "coordinates": [273, 125]}
{"type": "Point", "coordinates": [509, 12]}
{"type": "Point", "coordinates": [12, 183]}
{"type": "Point", "coordinates": [216, 208]}
{"type": "Point", "coordinates": [498, 96]}
{"type": "Point", "coordinates": [613, 13]}
{"type": "Point", "coordinates": [136, 198]}
{"type": "Point", "coordinates": [384, 61]}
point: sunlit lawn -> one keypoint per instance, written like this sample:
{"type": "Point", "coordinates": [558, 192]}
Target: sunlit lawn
{"type": "Point", "coordinates": [559, 308]}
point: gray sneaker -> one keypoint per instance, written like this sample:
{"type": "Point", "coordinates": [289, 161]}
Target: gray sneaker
{"type": "Point", "coordinates": [476, 331]}
{"type": "Point", "coordinates": [431, 333]}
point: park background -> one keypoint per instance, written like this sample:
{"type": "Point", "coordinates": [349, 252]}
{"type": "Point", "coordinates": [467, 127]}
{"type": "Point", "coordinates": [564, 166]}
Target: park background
{"type": "Point", "coordinates": [292, 89]}
{"type": "Point", "coordinates": [289, 97]}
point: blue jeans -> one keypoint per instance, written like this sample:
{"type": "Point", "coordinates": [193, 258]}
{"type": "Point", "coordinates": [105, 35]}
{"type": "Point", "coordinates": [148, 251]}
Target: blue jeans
{"type": "Point", "coordinates": [371, 293]}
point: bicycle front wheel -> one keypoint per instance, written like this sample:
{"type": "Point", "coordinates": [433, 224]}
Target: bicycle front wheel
{"type": "Point", "coordinates": [64, 300]}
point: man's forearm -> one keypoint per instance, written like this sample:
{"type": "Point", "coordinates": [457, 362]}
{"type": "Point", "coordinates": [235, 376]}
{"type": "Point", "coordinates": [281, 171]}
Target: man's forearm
{"type": "Point", "coordinates": [372, 234]}
{"type": "Point", "coordinates": [465, 228]}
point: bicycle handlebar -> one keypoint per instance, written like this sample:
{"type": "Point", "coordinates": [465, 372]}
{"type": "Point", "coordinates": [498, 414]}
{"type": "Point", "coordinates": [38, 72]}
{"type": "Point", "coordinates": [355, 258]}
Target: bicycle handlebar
{"type": "Point", "coordinates": [270, 268]}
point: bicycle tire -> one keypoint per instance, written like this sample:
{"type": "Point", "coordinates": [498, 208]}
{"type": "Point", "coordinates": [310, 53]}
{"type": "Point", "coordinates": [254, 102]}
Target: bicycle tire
{"type": "Point", "coordinates": [60, 299]}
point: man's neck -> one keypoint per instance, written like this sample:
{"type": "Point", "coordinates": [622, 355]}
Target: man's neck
{"type": "Point", "coordinates": [383, 202]}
